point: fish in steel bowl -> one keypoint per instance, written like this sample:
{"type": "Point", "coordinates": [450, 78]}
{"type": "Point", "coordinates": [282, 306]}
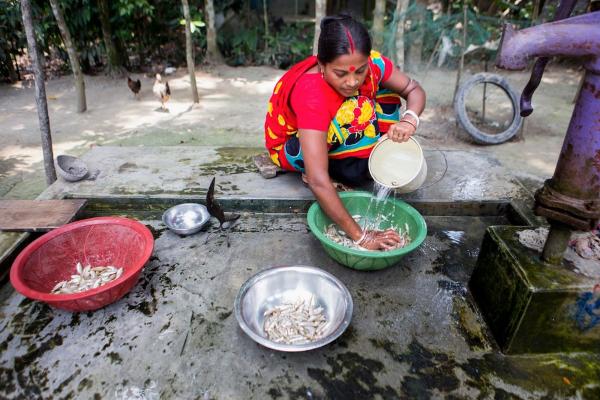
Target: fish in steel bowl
{"type": "Point", "coordinates": [321, 295]}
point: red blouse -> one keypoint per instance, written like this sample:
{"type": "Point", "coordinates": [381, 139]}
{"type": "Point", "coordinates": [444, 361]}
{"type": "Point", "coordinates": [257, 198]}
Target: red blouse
{"type": "Point", "coordinates": [315, 103]}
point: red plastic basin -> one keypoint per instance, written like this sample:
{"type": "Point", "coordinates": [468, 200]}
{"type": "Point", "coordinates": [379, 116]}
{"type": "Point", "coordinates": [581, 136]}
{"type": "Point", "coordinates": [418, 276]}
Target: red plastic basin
{"type": "Point", "coordinates": [116, 241]}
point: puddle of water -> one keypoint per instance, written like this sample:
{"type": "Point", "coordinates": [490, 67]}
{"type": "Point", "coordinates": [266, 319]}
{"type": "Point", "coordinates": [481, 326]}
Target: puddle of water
{"type": "Point", "coordinates": [456, 237]}
{"type": "Point", "coordinates": [148, 392]}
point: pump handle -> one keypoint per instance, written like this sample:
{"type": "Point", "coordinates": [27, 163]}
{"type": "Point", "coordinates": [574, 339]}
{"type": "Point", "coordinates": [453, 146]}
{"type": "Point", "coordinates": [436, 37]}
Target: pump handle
{"type": "Point", "coordinates": [565, 8]}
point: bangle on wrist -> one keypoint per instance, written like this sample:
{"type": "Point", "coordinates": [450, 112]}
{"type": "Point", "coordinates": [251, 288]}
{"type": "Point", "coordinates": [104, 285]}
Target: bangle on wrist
{"type": "Point", "coordinates": [412, 114]}
{"type": "Point", "coordinates": [408, 122]}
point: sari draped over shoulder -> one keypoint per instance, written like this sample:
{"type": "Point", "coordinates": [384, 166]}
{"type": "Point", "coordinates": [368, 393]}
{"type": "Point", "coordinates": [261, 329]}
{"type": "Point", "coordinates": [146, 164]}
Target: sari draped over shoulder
{"type": "Point", "coordinates": [356, 127]}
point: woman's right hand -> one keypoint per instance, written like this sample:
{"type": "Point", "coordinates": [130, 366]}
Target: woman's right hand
{"type": "Point", "coordinates": [380, 240]}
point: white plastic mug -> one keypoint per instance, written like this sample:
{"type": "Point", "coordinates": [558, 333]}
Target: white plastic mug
{"type": "Point", "coordinates": [400, 166]}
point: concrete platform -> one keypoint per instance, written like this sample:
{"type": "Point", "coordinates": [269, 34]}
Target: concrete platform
{"type": "Point", "coordinates": [415, 332]}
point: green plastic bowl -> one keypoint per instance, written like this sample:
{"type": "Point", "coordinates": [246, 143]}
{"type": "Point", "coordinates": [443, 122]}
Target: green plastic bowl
{"type": "Point", "coordinates": [358, 203]}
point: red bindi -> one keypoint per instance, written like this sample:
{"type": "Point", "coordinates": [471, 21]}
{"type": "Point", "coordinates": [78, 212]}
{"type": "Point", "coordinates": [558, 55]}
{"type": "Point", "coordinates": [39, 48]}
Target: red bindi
{"type": "Point", "coordinates": [352, 68]}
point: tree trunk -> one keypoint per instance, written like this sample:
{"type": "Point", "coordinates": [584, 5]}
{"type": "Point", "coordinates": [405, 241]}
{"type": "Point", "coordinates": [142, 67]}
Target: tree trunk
{"type": "Point", "coordinates": [15, 62]}
{"type": "Point", "coordinates": [115, 66]}
{"type": "Point", "coordinates": [399, 16]}
{"type": "Point", "coordinates": [212, 50]}
{"type": "Point", "coordinates": [266, 21]}
{"type": "Point", "coordinates": [378, 20]}
{"type": "Point", "coordinates": [73, 56]}
{"type": "Point", "coordinates": [40, 92]}
{"type": "Point", "coordinates": [537, 11]}
{"type": "Point", "coordinates": [416, 46]}
{"type": "Point", "coordinates": [12, 73]}
{"type": "Point", "coordinates": [189, 50]}
{"type": "Point", "coordinates": [320, 10]}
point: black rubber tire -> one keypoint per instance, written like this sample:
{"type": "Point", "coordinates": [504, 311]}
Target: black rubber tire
{"type": "Point", "coordinates": [461, 111]}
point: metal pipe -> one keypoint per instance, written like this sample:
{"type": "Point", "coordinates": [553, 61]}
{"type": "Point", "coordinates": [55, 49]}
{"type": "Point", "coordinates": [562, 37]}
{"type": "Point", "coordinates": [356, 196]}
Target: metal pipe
{"type": "Point", "coordinates": [556, 244]}
{"type": "Point", "coordinates": [573, 37]}
{"type": "Point", "coordinates": [577, 172]}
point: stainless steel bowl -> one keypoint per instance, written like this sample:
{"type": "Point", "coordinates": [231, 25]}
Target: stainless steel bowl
{"type": "Point", "coordinates": [279, 285]}
{"type": "Point", "coordinates": [186, 219]}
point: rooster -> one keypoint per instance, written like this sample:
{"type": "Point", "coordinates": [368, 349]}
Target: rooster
{"type": "Point", "coordinates": [162, 91]}
{"type": "Point", "coordinates": [135, 87]}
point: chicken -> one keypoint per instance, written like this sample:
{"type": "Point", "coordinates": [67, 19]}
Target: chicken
{"type": "Point", "coordinates": [162, 91]}
{"type": "Point", "coordinates": [135, 87]}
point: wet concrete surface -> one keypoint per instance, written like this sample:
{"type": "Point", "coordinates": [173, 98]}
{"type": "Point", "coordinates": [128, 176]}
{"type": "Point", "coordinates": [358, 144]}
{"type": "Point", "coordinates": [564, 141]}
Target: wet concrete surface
{"type": "Point", "coordinates": [184, 172]}
{"type": "Point", "coordinates": [415, 331]}
{"type": "Point", "coordinates": [453, 175]}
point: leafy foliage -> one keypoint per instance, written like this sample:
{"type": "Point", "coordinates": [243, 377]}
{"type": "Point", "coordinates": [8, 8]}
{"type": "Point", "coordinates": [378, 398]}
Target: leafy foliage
{"type": "Point", "coordinates": [12, 37]}
{"type": "Point", "coordinates": [151, 32]}
{"type": "Point", "coordinates": [245, 42]}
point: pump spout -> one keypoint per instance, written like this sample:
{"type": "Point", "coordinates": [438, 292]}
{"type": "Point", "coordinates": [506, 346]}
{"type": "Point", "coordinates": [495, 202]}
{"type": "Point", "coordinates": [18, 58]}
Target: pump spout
{"type": "Point", "coordinates": [573, 37]}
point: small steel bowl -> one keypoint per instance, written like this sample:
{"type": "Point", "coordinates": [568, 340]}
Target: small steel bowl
{"type": "Point", "coordinates": [186, 219]}
{"type": "Point", "coordinates": [275, 286]}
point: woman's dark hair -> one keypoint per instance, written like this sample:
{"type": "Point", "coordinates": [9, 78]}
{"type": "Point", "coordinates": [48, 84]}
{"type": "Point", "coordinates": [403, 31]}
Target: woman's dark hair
{"type": "Point", "coordinates": [341, 34]}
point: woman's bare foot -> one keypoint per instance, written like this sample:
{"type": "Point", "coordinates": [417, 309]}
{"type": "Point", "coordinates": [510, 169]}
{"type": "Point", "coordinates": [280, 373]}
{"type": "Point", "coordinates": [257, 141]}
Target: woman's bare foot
{"type": "Point", "coordinates": [340, 187]}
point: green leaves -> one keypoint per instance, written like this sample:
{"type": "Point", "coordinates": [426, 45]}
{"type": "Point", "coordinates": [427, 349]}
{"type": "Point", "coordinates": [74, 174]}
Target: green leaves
{"type": "Point", "coordinates": [194, 24]}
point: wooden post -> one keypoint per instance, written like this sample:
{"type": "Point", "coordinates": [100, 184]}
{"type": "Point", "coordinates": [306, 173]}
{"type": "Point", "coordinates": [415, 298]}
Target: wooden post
{"type": "Point", "coordinates": [483, 100]}
{"type": "Point", "coordinates": [73, 56]}
{"type": "Point", "coordinates": [189, 51]}
{"type": "Point", "coordinates": [320, 11]}
{"type": "Point", "coordinates": [40, 92]}
{"type": "Point", "coordinates": [462, 51]}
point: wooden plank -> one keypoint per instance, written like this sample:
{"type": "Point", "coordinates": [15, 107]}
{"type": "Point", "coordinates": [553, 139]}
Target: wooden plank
{"type": "Point", "coordinates": [37, 215]}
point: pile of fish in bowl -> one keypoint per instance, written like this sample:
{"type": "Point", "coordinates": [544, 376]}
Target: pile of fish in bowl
{"type": "Point", "coordinates": [87, 278]}
{"type": "Point", "coordinates": [295, 323]}
{"type": "Point", "coordinates": [293, 308]}
{"type": "Point", "coordinates": [84, 265]}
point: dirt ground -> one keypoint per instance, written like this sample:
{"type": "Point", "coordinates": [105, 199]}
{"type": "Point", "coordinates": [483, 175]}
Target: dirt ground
{"type": "Point", "coordinates": [231, 113]}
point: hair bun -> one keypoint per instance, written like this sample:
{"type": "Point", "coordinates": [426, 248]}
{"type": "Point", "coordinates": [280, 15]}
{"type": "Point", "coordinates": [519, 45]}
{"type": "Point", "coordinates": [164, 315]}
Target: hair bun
{"type": "Point", "coordinates": [339, 17]}
{"type": "Point", "coordinates": [342, 34]}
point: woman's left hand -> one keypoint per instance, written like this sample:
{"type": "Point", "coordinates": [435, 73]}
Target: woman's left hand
{"type": "Point", "coordinates": [401, 131]}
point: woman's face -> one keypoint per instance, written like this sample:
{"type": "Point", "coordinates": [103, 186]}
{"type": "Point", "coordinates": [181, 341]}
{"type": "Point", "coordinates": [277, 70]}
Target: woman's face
{"type": "Point", "coordinates": [346, 73]}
